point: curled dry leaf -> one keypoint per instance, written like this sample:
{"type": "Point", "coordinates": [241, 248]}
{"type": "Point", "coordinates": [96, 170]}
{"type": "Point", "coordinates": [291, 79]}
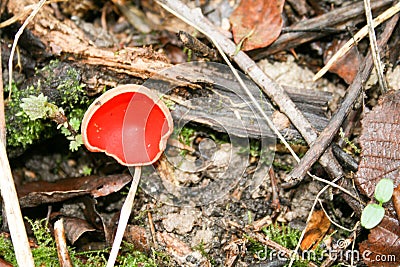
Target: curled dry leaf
{"type": "Point", "coordinates": [380, 158]}
{"type": "Point", "coordinates": [316, 229]}
{"type": "Point", "coordinates": [259, 21]}
{"type": "Point", "coordinates": [75, 227]}
{"type": "Point", "coordinates": [345, 67]}
{"type": "Point", "coordinates": [42, 192]}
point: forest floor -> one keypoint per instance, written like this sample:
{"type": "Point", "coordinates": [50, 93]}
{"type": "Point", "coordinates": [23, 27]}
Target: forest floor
{"type": "Point", "coordinates": [241, 180]}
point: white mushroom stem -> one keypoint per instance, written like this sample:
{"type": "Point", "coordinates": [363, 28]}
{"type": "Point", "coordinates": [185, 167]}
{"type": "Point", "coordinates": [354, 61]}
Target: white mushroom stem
{"type": "Point", "coordinates": [124, 217]}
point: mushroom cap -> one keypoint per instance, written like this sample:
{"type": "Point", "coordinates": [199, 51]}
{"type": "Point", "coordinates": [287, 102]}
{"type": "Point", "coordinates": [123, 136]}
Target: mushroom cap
{"type": "Point", "coordinates": [129, 123]}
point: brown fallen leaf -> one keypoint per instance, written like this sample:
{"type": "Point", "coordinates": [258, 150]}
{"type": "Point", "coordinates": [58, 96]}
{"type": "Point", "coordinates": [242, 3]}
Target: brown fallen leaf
{"type": "Point", "coordinates": [259, 21]}
{"type": "Point", "coordinates": [315, 230]}
{"type": "Point", "coordinates": [4, 263]}
{"type": "Point", "coordinates": [75, 228]}
{"type": "Point", "coordinates": [346, 67]}
{"type": "Point", "coordinates": [41, 192]}
{"type": "Point", "coordinates": [383, 245]}
{"type": "Point", "coordinates": [380, 143]}
{"type": "Point", "coordinates": [380, 158]}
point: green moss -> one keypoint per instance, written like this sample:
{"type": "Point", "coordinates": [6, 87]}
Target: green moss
{"type": "Point", "coordinates": [21, 130]}
{"type": "Point", "coordinates": [60, 83]}
{"type": "Point", "coordinates": [284, 236]}
{"type": "Point", "coordinates": [133, 258]}
{"type": "Point", "coordinates": [256, 150]}
{"type": "Point", "coordinates": [45, 253]}
{"type": "Point", "coordinates": [7, 250]}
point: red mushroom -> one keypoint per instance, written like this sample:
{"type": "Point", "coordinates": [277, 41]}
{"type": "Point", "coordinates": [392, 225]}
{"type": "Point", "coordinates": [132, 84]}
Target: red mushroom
{"type": "Point", "coordinates": [131, 124]}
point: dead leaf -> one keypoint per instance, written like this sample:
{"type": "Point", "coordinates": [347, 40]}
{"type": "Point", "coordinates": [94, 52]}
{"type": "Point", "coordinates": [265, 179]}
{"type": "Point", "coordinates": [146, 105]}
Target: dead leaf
{"type": "Point", "coordinates": [75, 228]}
{"type": "Point", "coordinates": [380, 143]}
{"type": "Point", "coordinates": [41, 192]}
{"type": "Point", "coordinates": [4, 263]}
{"type": "Point", "coordinates": [315, 230]}
{"type": "Point", "coordinates": [261, 18]}
{"type": "Point", "coordinates": [345, 67]}
{"type": "Point", "coordinates": [380, 158]}
{"type": "Point", "coordinates": [383, 245]}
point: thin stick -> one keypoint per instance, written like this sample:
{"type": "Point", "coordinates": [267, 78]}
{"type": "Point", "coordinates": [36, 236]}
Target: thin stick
{"type": "Point", "coordinates": [356, 38]}
{"type": "Point", "coordinates": [374, 47]}
{"type": "Point", "coordinates": [9, 195]}
{"type": "Point", "coordinates": [2, 112]}
{"type": "Point", "coordinates": [124, 217]}
{"type": "Point", "coordinates": [152, 228]}
{"type": "Point", "coordinates": [13, 212]}
{"type": "Point", "coordinates": [16, 38]}
{"type": "Point", "coordinates": [353, 92]}
{"type": "Point", "coordinates": [61, 244]}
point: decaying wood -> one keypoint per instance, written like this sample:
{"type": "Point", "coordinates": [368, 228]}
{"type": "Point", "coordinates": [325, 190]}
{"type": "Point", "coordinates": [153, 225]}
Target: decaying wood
{"type": "Point", "coordinates": [220, 103]}
{"type": "Point", "coordinates": [311, 29]}
{"type": "Point", "coordinates": [68, 39]}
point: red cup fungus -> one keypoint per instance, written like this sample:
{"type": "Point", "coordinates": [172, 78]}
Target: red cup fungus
{"type": "Point", "coordinates": [129, 123]}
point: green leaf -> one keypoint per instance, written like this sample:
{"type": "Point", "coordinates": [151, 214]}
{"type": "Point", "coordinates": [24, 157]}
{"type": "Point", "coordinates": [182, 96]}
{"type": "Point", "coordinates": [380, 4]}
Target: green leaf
{"type": "Point", "coordinates": [372, 215]}
{"type": "Point", "coordinates": [75, 123]}
{"type": "Point", "coordinates": [65, 131]}
{"type": "Point", "coordinates": [76, 143]}
{"type": "Point", "coordinates": [384, 190]}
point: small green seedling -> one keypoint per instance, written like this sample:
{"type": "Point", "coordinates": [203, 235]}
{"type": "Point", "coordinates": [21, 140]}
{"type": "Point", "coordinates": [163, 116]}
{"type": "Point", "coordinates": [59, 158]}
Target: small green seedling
{"type": "Point", "coordinates": [373, 214]}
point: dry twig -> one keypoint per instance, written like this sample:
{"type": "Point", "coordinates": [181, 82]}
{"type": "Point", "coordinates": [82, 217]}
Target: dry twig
{"type": "Point", "coordinates": [374, 47]}
{"type": "Point", "coordinates": [61, 243]}
{"type": "Point", "coordinates": [16, 38]}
